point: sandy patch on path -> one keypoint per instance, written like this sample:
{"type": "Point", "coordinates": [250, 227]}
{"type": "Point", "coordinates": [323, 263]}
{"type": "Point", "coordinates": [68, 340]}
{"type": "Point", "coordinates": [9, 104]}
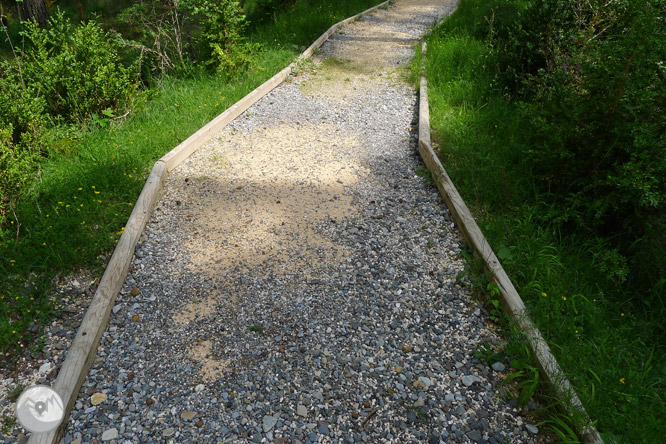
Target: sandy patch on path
{"type": "Point", "coordinates": [263, 205]}
{"type": "Point", "coordinates": [366, 54]}
{"type": "Point", "coordinates": [211, 367]}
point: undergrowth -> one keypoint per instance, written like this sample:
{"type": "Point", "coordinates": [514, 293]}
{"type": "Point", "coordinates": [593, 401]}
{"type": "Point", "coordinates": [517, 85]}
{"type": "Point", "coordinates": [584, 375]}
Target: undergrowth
{"type": "Point", "coordinates": [591, 275]}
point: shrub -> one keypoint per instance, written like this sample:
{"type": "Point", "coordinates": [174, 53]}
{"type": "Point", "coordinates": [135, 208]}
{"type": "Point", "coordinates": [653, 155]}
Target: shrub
{"type": "Point", "coordinates": [591, 79]}
{"type": "Point", "coordinates": [21, 107]}
{"type": "Point", "coordinates": [161, 35]}
{"type": "Point", "coordinates": [221, 38]}
{"type": "Point", "coordinates": [75, 69]}
{"type": "Point", "coordinates": [17, 166]}
{"type": "Point", "coordinates": [172, 35]}
{"type": "Point", "coordinates": [65, 74]}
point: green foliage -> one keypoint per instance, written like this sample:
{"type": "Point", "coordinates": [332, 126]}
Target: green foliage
{"type": "Point", "coordinates": [17, 165]}
{"type": "Point", "coordinates": [76, 70]}
{"type": "Point", "coordinates": [22, 108]}
{"type": "Point", "coordinates": [65, 74]}
{"type": "Point", "coordinates": [425, 173]}
{"type": "Point", "coordinates": [174, 34]}
{"type": "Point", "coordinates": [526, 376]}
{"type": "Point", "coordinates": [262, 11]}
{"type": "Point", "coordinates": [222, 27]}
{"type": "Point", "coordinates": [159, 33]}
{"type": "Point", "coordinates": [593, 80]}
{"type": "Point", "coordinates": [530, 138]}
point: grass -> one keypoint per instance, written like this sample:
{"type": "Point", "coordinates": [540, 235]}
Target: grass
{"type": "Point", "coordinates": [613, 351]}
{"type": "Point", "coordinates": [74, 212]}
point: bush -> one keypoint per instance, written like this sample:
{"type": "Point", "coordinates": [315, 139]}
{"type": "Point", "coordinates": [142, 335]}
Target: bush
{"type": "Point", "coordinates": [172, 35]}
{"type": "Point", "coordinates": [75, 69]}
{"type": "Point", "coordinates": [22, 107]}
{"type": "Point", "coordinates": [222, 27]}
{"type": "Point", "coordinates": [591, 80]}
{"type": "Point", "coordinates": [17, 164]}
{"type": "Point", "coordinates": [598, 104]}
{"type": "Point", "coordinates": [65, 74]}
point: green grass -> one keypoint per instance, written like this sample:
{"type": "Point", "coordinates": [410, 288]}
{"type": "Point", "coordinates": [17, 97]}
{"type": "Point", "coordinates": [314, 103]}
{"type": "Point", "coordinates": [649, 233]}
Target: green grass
{"type": "Point", "coordinates": [75, 210]}
{"type": "Point", "coordinates": [612, 350]}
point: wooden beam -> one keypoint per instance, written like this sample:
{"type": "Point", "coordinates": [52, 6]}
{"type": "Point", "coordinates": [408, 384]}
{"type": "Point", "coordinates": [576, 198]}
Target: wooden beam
{"type": "Point", "coordinates": [509, 297]}
{"type": "Point", "coordinates": [84, 346]}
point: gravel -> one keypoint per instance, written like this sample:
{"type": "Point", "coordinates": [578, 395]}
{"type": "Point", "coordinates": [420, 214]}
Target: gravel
{"type": "Point", "coordinates": [300, 282]}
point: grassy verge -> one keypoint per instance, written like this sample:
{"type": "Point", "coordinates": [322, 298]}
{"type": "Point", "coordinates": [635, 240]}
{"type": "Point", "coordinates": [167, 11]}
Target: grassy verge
{"type": "Point", "coordinates": [612, 350]}
{"type": "Point", "coordinates": [74, 212]}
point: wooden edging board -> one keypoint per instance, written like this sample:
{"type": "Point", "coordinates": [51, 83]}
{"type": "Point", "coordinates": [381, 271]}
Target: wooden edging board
{"type": "Point", "coordinates": [81, 353]}
{"type": "Point", "coordinates": [509, 297]}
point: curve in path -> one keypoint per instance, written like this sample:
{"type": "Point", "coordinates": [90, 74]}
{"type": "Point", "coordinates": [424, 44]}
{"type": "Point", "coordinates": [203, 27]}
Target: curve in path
{"type": "Point", "coordinates": [298, 281]}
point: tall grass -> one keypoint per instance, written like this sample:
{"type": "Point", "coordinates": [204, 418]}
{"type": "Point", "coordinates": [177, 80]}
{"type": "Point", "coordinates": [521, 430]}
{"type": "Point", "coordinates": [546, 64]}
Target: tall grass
{"type": "Point", "coordinates": [74, 212]}
{"type": "Point", "coordinates": [614, 354]}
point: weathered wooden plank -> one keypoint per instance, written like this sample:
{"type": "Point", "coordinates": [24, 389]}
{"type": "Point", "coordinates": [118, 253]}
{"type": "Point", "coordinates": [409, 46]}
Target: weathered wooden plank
{"type": "Point", "coordinates": [509, 297]}
{"type": "Point", "coordinates": [84, 346]}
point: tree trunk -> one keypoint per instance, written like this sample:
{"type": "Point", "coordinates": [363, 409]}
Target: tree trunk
{"type": "Point", "coordinates": [35, 10]}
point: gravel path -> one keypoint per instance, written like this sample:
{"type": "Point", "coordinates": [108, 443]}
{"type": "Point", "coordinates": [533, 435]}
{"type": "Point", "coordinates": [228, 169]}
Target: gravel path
{"type": "Point", "coordinates": [298, 282]}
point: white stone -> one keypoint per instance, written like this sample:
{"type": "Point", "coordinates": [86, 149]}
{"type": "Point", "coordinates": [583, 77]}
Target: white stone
{"type": "Point", "coordinates": [469, 380]}
{"type": "Point", "coordinates": [269, 422]}
{"type": "Point", "coordinates": [110, 434]}
{"type": "Point", "coordinates": [498, 367]}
